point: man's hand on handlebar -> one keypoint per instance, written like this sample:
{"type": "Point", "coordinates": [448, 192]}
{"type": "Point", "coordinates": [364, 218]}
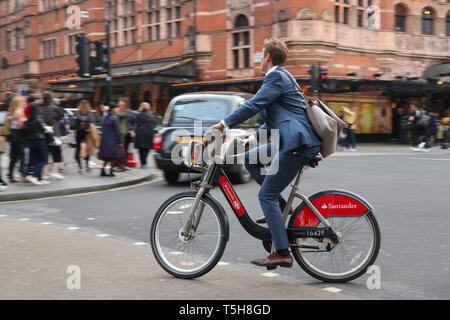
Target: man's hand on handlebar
{"type": "Point", "coordinates": [218, 126]}
{"type": "Point", "coordinates": [246, 143]}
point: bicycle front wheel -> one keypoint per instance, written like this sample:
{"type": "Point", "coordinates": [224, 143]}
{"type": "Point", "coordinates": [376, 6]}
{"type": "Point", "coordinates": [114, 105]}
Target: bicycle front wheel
{"type": "Point", "coordinates": [197, 255]}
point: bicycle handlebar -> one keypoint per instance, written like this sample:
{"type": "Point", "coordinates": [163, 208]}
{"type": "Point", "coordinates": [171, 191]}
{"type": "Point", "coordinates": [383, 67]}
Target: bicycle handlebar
{"type": "Point", "coordinates": [220, 149]}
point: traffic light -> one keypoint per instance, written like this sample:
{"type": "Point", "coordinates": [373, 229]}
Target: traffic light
{"type": "Point", "coordinates": [323, 86]}
{"type": "Point", "coordinates": [83, 56]}
{"type": "Point", "coordinates": [100, 61]}
{"type": "Point", "coordinates": [313, 79]}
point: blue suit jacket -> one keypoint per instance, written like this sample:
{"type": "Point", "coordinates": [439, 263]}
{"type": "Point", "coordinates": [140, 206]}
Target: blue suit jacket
{"type": "Point", "coordinates": [283, 107]}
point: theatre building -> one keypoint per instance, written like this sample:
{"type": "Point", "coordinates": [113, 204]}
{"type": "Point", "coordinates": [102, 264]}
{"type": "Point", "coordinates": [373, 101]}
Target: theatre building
{"type": "Point", "coordinates": [379, 55]}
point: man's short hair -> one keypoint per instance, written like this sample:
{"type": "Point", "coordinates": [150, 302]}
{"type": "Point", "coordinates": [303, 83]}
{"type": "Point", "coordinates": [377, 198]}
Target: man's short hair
{"type": "Point", "coordinates": [124, 99]}
{"type": "Point", "coordinates": [277, 49]}
{"type": "Point", "coordinates": [47, 97]}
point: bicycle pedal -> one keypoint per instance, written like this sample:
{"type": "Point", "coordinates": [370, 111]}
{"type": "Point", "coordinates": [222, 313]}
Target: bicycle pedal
{"type": "Point", "coordinates": [271, 267]}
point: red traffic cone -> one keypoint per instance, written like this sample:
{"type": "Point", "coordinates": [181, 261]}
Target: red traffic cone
{"type": "Point", "coordinates": [131, 163]}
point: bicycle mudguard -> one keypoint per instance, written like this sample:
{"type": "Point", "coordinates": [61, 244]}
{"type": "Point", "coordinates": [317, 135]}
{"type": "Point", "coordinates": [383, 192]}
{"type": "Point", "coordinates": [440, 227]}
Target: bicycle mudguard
{"type": "Point", "coordinates": [329, 203]}
{"type": "Point", "coordinates": [225, 221]}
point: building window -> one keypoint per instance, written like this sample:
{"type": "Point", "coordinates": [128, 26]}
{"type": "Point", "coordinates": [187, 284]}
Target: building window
{"type": "Point", "coordinates": [10, 6]}
{"type": "Point", "coordinates": [173, 20]}
{"type": "Point", "coordinates": [400, 18]}
{"type": "Point", "coordinates": [71, 44]}
{"type": "Point", "coordinates": [427, 21]}
{"type": "Point", "coordinates": [49, 4]}
{"type": "Point", "coordinates": [49, 49]}
{"type": "Point", "coordinates": [345, 15]}
{"type": "Point", "coordinates": [342, 12]}
{"type": "Point", "coordinates": [112, 14]}
{"type": "Point", "coordinates": [19, 39]}
{"type": "Point", "coordinates": [9, 41]}
{"type": "Point", "coordinates": [129, 27]}
{"type": "Point", "coordinates": [360, 18]}
{"type": "Point", "coordinates": [153, 3]}
{"type": "Point", "coordinates": [241, 43]}
{"type": "Point", "coordinates": [153, 21]}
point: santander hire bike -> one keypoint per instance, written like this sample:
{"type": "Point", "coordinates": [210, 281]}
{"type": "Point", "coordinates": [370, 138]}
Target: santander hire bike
{"type": "Point", "coordinates": [333, 234]}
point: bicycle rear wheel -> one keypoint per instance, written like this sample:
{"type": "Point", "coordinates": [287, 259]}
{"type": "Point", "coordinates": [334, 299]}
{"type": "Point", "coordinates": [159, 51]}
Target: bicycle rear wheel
{"type": "Point", "coordinates": [202, 251]}
{"type": "Point", "coordinates": [349, 259]}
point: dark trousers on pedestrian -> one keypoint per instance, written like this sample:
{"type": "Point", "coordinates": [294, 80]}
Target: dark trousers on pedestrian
{"type": "Point", "coordinates": [143, 154]}
{"type": "Point", "coordinates": [423, 135]}
{"type": "Point", "coordinates": [351, 139]}
{"type": "Point", "coordinates": [283, 169]}
{"type": "Point", "coordinates": [80, 138]}
{"type": "Point", "coordinates": [403, 136]}
{"type": "Point", "coordinates": [38, 156]}
{"type": "Point", "coordinates": [128, 141]}
{"type": "Point", "coordinates": [16, 153]}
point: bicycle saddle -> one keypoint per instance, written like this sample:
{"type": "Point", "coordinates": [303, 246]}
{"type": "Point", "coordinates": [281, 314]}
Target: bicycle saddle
{"type": "Point", "coordinates": [314, 162]}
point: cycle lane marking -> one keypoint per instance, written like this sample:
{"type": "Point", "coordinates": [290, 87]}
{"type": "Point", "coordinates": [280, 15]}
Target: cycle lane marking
{"type": "Point", "coordinates": [270, 274]}
{"type": "Point", "coordinates": [332, 289]}
{"type": "Point", "coordinates": [433, 159]}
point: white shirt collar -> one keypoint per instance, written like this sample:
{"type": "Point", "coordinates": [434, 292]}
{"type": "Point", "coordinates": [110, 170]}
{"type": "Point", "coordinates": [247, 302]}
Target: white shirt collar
{"type": "Point", "coordinates": [270, 70]}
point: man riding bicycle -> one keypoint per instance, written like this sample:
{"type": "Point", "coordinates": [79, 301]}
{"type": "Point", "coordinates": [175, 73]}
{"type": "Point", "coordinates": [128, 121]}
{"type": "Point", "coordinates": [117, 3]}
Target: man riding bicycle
{"type": "Point", "coordinates": [283, 107]}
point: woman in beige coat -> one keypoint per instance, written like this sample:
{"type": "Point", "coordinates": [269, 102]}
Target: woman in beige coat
{"type": "Point", "coordinates": [86, 134]}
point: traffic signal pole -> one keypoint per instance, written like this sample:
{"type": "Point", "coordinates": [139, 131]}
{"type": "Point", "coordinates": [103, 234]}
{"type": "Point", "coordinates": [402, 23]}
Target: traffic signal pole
{"type": "Point", "coordinates": [109, 77]}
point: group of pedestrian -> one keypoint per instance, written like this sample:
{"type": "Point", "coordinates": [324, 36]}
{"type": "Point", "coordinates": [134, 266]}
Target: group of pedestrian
{"type": "Point", "coordinates": [421, 128]}
{"type": "Point", "coordinates": [122, 126]}
{"type": "Point", "coordinates": [33, 129]}
{"type": "Point", "coordinates": [28, 127]}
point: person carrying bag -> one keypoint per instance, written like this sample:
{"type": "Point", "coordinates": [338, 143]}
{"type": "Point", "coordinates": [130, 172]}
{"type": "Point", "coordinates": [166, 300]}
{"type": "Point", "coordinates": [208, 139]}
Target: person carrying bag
{"type": "Point", "coordinates": [326, 123]}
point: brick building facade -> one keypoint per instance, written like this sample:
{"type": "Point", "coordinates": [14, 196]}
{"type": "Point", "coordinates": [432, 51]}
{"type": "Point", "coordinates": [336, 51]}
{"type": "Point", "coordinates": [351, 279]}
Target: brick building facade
{"type": "Point", "coordinates": [162, 46]}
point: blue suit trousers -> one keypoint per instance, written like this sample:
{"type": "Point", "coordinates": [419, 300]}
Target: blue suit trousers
{"type": "Point", "coordinates": [282, 170]}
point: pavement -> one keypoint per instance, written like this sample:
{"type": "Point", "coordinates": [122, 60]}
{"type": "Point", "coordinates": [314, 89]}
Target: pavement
{"type": "Point", "coordinates": [39, 261]}
{"type": "Point", "coordinates": [47, 262]}
{"type": "Point", "coordinates": [74, 182]}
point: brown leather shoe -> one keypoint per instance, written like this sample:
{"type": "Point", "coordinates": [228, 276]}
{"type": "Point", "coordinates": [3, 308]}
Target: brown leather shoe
{"type": "Point", "coordinates": [274, 260]}
{"type": "Point", "coordinates": [282, 205]}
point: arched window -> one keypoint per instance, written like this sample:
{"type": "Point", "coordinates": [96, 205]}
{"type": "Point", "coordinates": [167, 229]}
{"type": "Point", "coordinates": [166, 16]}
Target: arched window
{"type": "Point", "coordinates": [427, 21]}
{"type": "Point", "coordinates": [400, 18]}
{"type": "Point", "coordinates": [241, 43]}
{"type": "Point", "coordinates": [241, 21]}
{"type": "Point", "coordinates": [447, 25]}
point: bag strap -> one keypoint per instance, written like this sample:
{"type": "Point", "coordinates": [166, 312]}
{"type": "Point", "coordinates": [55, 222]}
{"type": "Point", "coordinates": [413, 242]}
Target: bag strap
{"type": "Point", "coordinates": [290, 77]}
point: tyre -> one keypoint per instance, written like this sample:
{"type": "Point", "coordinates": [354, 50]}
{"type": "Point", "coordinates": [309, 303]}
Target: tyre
{"type": "Point", "coordinates": [196, 256]}
{"type": "Point", "coordinates": [347, 260]}
{"type": "Point", "coordinates": [241, 176]}
{"type": "Point", "coordinates": [171, 177]}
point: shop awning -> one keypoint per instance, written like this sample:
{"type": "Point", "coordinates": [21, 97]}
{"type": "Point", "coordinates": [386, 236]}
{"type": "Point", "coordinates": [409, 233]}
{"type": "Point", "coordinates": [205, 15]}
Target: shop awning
{"type": "Point", "coordinates": [162, 72]}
